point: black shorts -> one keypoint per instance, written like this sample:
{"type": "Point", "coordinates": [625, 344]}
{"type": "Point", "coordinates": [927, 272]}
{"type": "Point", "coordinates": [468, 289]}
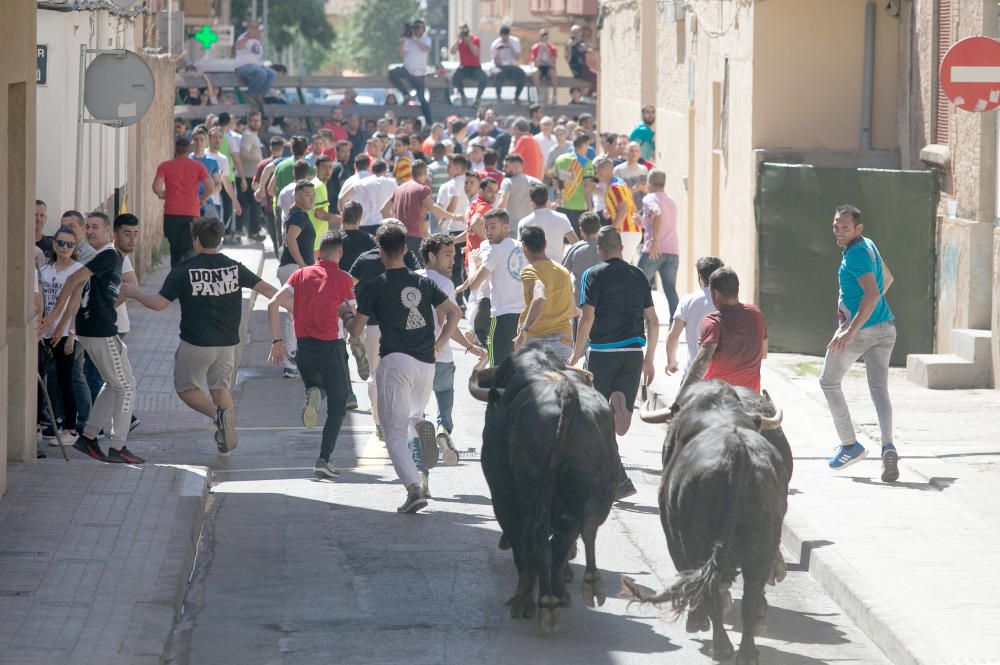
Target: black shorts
{"type": "Point", "coordinates": [617, 371]}
{"type": "Point", "coordinates": [503, 330]}
{"type": "Point", "coordinates": [544, 70]}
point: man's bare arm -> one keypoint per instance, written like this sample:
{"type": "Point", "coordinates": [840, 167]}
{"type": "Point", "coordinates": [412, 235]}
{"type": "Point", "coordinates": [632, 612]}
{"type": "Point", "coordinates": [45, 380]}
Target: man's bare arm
{"type": "Point", "coordinates": [699, 366]}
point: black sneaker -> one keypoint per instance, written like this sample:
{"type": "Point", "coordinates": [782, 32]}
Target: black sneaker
{"type": "Point", "coordinates": [323, 469]}
{"type": "Point", "coordinates": [428, 443]}
{"type": "Point", "coordinates": [89, 447]}
{"type": "Point", "coordinates": [414, 502]}
{"type": "Point", "coordinates": [123, 456]}
{"type": "Point", "coordinates": [890, 464]}
{"type": "Point", "coordinates": [226, 437]}
{"type": "Point", "coordinates": [133, 424]}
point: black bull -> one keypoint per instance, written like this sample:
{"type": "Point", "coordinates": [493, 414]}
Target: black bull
{"type": "Point", "coordinates": [723, 497]}
{"type": "Point", "coordinates": [551, 461]}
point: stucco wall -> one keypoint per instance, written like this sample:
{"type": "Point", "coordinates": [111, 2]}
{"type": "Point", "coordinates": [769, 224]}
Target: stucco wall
{"type": "Point", "coordinates": [965, 251]}
{"type": "Point", "coordinates": [17, 195]}
{"type": "Point", "coordinates": [622, 52]}
{"type": "Point", "coordinates": [809, 57]}
{"type": "Point", "coordinates": [63, 33]}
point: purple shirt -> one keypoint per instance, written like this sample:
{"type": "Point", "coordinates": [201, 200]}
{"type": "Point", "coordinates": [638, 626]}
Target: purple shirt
{"type": "Point", "coordinates": [659, 203]}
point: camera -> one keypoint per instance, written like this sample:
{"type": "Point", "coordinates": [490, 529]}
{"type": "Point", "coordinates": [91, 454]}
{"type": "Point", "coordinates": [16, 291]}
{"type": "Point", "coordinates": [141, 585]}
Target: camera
{"type": "Point", "coordinates": [407, 29]}
{"type": "Point", "coordinates": [463, 33]}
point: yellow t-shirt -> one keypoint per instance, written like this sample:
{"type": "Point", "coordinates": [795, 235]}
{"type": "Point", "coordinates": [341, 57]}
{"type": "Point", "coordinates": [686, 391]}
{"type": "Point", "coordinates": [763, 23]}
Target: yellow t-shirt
{"type": "Point", "coordinates": [559, 308]}
{"type": "Point", "coordinates": [321, 203]}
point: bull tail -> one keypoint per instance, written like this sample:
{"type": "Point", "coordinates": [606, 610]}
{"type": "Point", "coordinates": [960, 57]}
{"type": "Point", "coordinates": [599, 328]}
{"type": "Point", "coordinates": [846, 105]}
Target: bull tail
{"type": "Point", "coordinates": [569, 404]}
{"type": "Point", "coordinates": [697, 587]}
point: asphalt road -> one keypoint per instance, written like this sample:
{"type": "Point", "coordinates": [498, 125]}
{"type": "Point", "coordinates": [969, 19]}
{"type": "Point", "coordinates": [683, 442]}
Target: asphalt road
{"type": "Point", "coordinates": [298, 571]}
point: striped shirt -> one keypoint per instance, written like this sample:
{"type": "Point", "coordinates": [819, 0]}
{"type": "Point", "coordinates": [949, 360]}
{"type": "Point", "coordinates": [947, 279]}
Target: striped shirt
{"type": "Point", "coordinates": [620, 195]}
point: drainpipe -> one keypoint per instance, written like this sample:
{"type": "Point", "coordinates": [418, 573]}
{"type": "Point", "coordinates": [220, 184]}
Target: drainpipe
{"type": "Point", "coordinates": [868, 81]}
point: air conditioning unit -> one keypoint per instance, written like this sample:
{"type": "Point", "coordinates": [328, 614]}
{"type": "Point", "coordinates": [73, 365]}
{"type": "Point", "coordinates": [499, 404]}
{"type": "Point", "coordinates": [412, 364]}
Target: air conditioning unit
{"type": "Point", "coordinates": [675, 11]}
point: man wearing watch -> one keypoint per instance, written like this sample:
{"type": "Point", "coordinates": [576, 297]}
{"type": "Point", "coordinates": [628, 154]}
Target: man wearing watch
{"type": "Point", "coordinates": [321, 293]}
{"type": "Point", "coordinates": [548, 298]}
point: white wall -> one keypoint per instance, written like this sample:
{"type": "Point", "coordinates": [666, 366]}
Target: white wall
{"type": "Point", "coordinates": [57, 163]}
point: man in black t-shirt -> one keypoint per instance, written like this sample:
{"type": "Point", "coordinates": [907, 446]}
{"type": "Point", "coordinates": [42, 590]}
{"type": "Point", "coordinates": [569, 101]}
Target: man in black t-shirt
{"type": "Point", "coordinates": [618, 321]}
{"type": "Point", "coordinates": [405, 305]}
{"type": "Point", "coordinates": [356, 241]}
{"type": "Point", "coordinates": [298, 252]}
{"type": "Point", "coordinates": [209, 287]}
{"type": "Point", "coordinates": [367, 266]}
{"type": "Point", "coordinates": [90, 294]}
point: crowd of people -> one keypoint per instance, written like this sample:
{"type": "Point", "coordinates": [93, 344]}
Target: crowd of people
{"type": "Point", "coordinates": [535, 230]}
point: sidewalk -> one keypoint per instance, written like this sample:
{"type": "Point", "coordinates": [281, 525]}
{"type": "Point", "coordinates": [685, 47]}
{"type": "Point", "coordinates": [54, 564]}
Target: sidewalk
{"type": "Point", "coordinates": [913, 563]}
{"type": "Point", "coordinates": [94, 558]}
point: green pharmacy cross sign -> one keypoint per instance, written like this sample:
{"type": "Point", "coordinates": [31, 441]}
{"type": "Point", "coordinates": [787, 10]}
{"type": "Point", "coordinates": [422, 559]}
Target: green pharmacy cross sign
{"type": "Point", "coordinates": [206, 37]}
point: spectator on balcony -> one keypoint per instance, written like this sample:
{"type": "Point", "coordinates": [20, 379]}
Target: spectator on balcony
{"type": "Point", "coordinates": [469, 64]}
{"type": "Point", "coordinates": [414, 46]}
{"type": "Point", "coordinates": [505, 51]}
{"type": "Point", "coordinates": [350, 97]}
{"type": "Point", "coordinates": [543, 57]}
{"type": "Point", "coordinates": [577, 50]}
{"type": "Point", "coordinates": [250, 64]}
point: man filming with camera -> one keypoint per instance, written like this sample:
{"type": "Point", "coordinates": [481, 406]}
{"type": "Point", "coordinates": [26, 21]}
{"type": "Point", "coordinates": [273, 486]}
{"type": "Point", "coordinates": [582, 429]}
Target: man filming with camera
{"type": "Point", "coordinates": [414, 46]}
{"type": "Point", "coordinates": [469, 64]}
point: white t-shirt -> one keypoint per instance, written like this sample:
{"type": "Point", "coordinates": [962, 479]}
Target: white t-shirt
{"type": "Point", "coordinates": [555, 224]}
{"type": "Point", "coordinates": [351, 181]}
{"type": "Point", "coordinates": [508, 55]}
{"type": "Point", "coordinates": [373, 193]}
{"type": "Point", "coordinates": [454, 187]}
{"type": "Point", "coordinates": [220, 159]}
{"type": "Point", "coordinates": [51, 282]}
{"type": "Point", "coordinates": [124, 325]}
{"type": "Point", "coordinates": [519, 204]}
{"type": "Point", "coordinates": [286, 199]}
{"type": "Point", "coordinates": [692, 310]}
{"type": "Point", "coordinates": [415, 58]}
{"type": "Point", "coordinates": [545, 144]}
{"type": "Point", "coordinates": [505, 261]}
{"type": "Point", "coordinates": [446, 285]}
{"type": "Point", "coordinates": [632, 177]}
{"type": "Point", "coordinates": [251, 54]}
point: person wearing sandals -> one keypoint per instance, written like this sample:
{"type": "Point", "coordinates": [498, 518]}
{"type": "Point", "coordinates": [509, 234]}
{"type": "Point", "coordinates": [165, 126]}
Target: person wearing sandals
{"type": "Point", "coordinates": [63, 348]}
{"type": "Point", "coordinates": [438, 253]}
{"type": "Point", "coordinates": [209, 287]}
{"type": "Point", "coordinates": [405, 303]}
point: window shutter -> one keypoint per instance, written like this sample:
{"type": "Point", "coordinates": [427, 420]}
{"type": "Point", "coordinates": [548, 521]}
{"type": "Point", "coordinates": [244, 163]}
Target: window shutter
{"type": "Point", "coordinates": [942, 42]}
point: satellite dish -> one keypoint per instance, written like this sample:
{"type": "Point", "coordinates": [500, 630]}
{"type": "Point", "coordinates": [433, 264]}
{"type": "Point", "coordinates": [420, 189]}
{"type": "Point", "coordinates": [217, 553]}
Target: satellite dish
{"type": "Point", "coordinates": [125, 4]}
{"type": "Point", "coordinates": [118, 90]}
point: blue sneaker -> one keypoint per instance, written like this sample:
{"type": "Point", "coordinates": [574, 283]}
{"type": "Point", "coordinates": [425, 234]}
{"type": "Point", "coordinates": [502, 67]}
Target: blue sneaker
{"type": "Point", "coordinates": [847, 455]}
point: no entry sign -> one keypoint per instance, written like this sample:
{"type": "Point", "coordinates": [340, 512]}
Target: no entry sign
{"type": "Point", "coordinates": [970, 74]}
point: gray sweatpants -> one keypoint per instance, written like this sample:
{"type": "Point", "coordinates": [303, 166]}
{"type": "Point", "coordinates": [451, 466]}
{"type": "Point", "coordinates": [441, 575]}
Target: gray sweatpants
{"type": "Point", "coordinates": [874, 345]}
{"type": "Point", "coordinates": [114, 402]}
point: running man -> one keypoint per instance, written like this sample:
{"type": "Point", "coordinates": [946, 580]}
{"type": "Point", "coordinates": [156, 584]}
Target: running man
{"type": "Point", "coordinates": [867, 330]}
{"type": "Point", "coordinates": [209, 287]}
{"type": "Point", "coordinates": [404, 303]}
{"type": "Point", "coordinates": [690, 314]}
{"type": "Point", "coordinates": [548, 297]}
{"type": "Point", "coordinates": [319, 295]}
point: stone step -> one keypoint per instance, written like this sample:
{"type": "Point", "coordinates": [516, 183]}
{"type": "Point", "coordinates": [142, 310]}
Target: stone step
{"type": "Point", "coordinates": [946, 371]}
{"type": "Point", "coordinates": [972, 345]}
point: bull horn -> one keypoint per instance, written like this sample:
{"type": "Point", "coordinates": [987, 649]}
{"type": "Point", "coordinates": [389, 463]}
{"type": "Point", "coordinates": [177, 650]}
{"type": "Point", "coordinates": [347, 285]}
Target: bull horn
{"type": "Point", "coordinates": [664, 415]}
{"type": "Point", "coordinates": [587, 376]}
{"type": "Point", "coordinates": [477, 391]}
{"type": "Point", "coordinates": [772, 422]}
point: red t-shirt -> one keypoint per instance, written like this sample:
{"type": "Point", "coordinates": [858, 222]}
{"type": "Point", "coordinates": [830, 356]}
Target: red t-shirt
{"type": "Point", "coordinates": [477, 208]}
{"type": "Point", "coordinates": [181, 176]}
{"type": "Point", "coordinates": [738, 331]}
{"type": "Point", "coordinates": [527, 147]}
{"type": "Point", "coordinates": [465, 56]}
{"type": "Point", "coordinates": [491, 173]}
{"type": "Point", "coordinates": [339, 131]}
{"type": "Point", "coordinates": [408, 206]}
{"type": "Point", "coordinates": [318, 291]}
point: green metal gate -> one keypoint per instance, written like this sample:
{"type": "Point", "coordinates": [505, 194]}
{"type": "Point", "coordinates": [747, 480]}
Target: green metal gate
{"type": "Point", "coordinates": [799, 258]}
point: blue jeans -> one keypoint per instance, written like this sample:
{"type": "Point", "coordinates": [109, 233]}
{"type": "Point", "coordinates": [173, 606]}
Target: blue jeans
{"type": "Point", "coordinates": [257, 77]}
{"type": "Point", "coordinates": [444, 393]}
{"type": "Point", "coordinates": [666, 265]}
{"type": "Point", "coordinates": [404, 80]}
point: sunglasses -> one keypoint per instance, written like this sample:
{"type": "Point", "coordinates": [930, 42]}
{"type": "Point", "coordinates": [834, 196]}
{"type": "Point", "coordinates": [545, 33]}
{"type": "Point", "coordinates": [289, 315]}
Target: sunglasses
{"type": "Point", "coordinates": [65, 243]}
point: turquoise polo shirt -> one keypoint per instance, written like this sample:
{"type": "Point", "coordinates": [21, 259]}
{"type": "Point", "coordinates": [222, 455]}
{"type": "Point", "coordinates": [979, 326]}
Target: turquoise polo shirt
{"type": "Point", "coordinates": [860, 258]}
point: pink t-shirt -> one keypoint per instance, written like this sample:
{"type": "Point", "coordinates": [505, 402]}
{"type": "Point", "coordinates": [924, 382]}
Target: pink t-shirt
{"type": "Point", "coordinates": [408, 206]}
{"type": "Point", "coordinates": [659, 203]}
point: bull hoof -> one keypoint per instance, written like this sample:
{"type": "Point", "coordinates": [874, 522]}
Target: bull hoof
{"type": "Point", "coordinates": [778, 570]}
{"type": "Point", "coordinates": [592, 589]}
{"type": "Point", "coordinates": [697, 623]}
{"type": "Point", "coordinates": [522, 607]}
{"type": "Point", "coordinates": [747, 657]}
{"type": "Point", "coordinates": [550, 614]}
{"type": "Point", "coordinates": [723, 651]}
{"type": "Point", "coordinates": [504, 543]}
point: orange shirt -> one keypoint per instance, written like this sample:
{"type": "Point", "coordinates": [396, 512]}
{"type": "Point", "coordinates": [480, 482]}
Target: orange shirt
{"type": "Point", "coordinates": [528, 149]}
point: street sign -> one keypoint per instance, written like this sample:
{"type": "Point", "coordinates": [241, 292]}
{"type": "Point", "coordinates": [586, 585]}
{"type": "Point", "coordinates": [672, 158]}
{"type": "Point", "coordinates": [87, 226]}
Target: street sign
{"type": "Point", "coordinates": [970, 74]}
{"type": "Point", "coordinates": [118, 88]}
{"type": "Point", "coordinates": [41, 64]}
